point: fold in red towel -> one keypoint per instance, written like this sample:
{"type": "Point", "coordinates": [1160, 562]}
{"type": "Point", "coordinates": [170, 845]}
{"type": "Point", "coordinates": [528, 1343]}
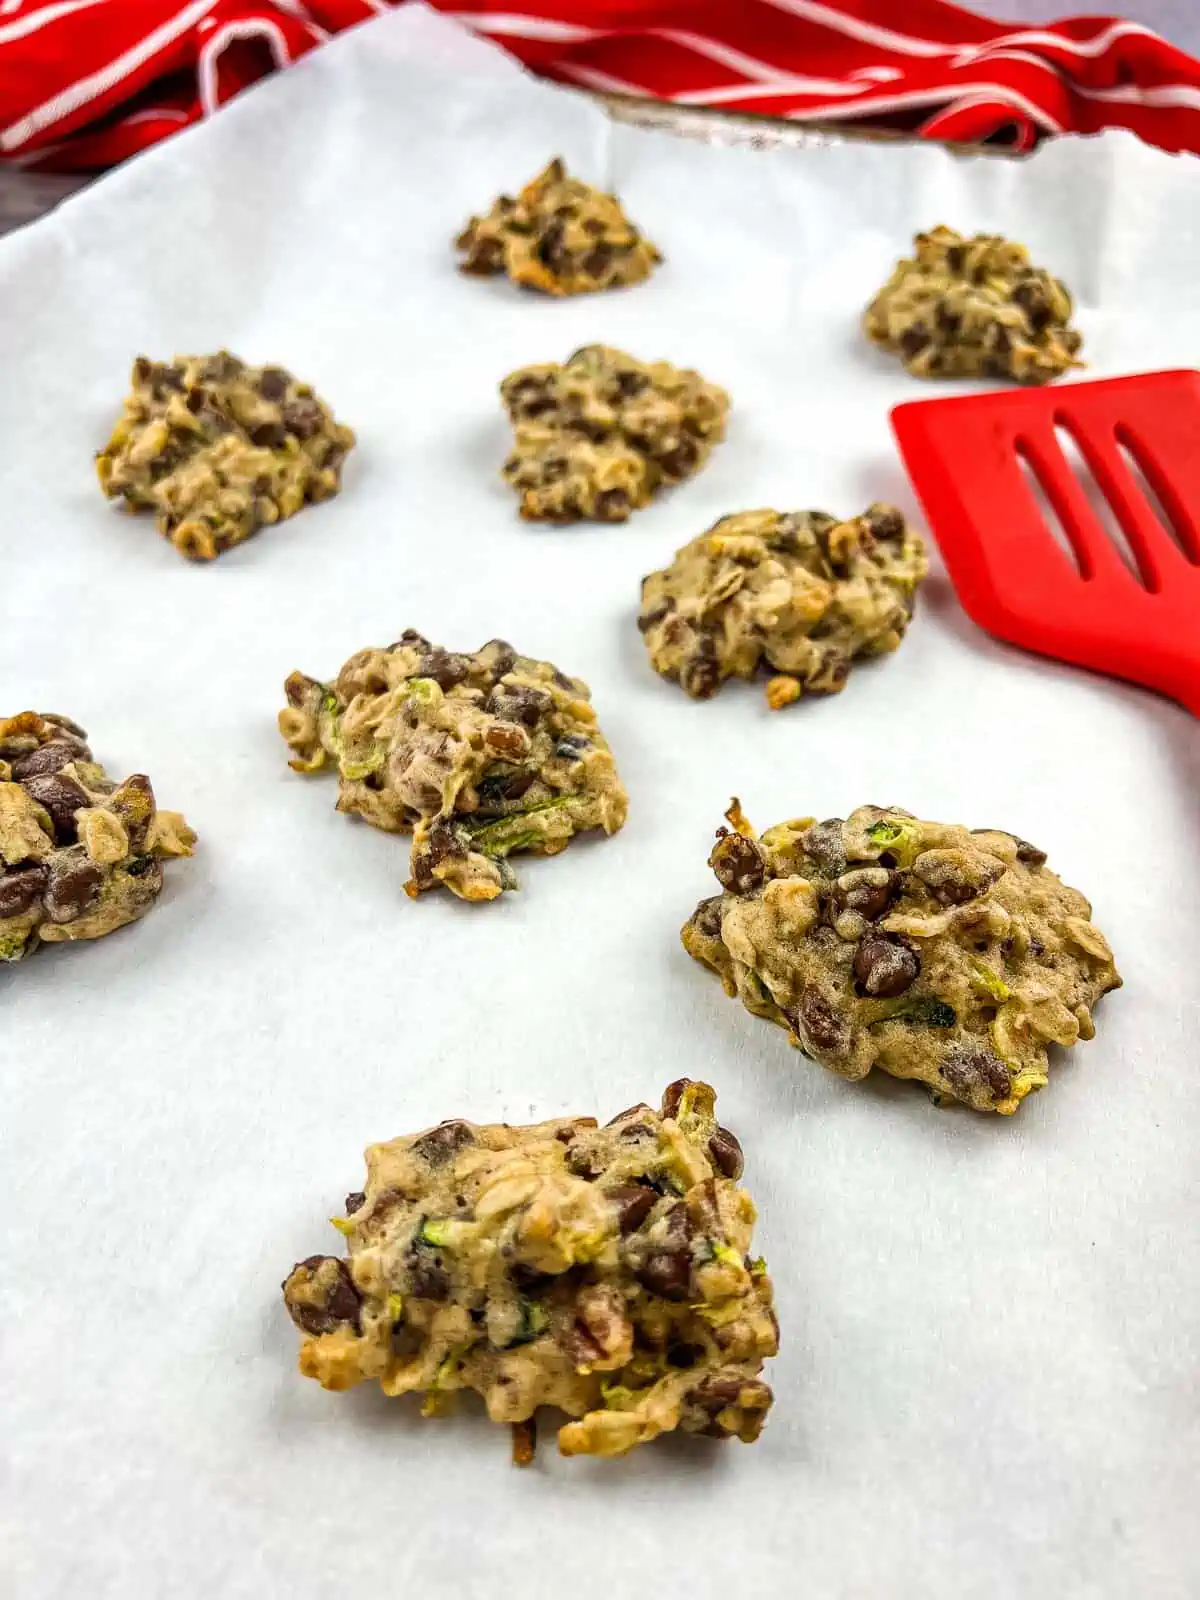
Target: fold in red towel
{"type": "Point", "coordinates": [85, 83]}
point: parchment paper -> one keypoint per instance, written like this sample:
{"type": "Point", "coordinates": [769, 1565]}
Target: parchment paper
{"type": "Point", "coordinates": [986, 1386]}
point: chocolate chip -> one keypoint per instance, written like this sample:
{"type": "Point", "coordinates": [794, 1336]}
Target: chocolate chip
{"type": "Point", "coordinates": [355, 1202]}
{"type": "Point", "coordinates": [749, 1399]}
{"type": "Point", "coordinates": [949, 322]}
{"type": "Point", "coordinates": [442, 844]}
{"type": "Point", "coordinates": [831, 678]}
{"type": "Point", "coordinates": [956, 877]}
{"type": "Point", "coordinates": [673, 1096]}
{"type": "Point", "coordinates": [913, 340]}
{"type": "Point", "coordinates": [341, 1301]}
{"type": "Point", "coordinates": [133, 802]}
{"type": "Point", "coordinates": [640, 1110]}
{"type": "Point", "coordinates": [884, 966]}
{"type": "Point", "coordinates": [273, 384]}
{"type": "Point", "coordinates": [505, 786]}
{"type": "Point", "coordinates": [515, 702]}
{"type": "Point", "coordinates": [633, 1203]}
{"type": "Point", "coordinates": [630, 1132]}
{"type": "Point", "coordinates": [726, 1153]}
{"type": "Point", "coordinates": [651, 619]}
{"type": "Point", "coordinates": [62, 797]}
{"type": "Point", "coordinates": [485, 254]}
{"type": "Point", "coordinates": [700, 677]}
{"type": "Point", "coordinates": [302, 417]}
{"type": "Point", "coordinates": [1033, 301]}
{"type": "Point", "coordinates": [20, 887]}
{"type": "Point", "coordinates": [630, 383]}
{"type": "Point", "coordinates": [611, 505]}
{"type": "Point", "coordinates": [824, 844]}
{"type": "Point", "coordinates": [714, 1394]}
{"type": "Point", "coordinates": [885, 522]}
{"type": "Point", "coordinates": [343, 1298]}
{"type": "Point", "coordinates": [550, 251]}
{"type": "Point", "coordinates": [598, 261]}
{"type": "Point", "coordinates": [268, 435]}
{"type": "Point", "coordinates": [530, 397]}
{"type": "Point", "coordinates": [737, 863]}
{"type": "Point", "coordinates": [440, 1143]}
{"type": "Point", "coordinates": [870, 899]}
{"type": "Point", "coordinates": [666, 1273]}
{"type": "Point", "coordinates": [505, 657]}
{"type": "Point", "coordinates": [571, 747]}
{"type": "Point", "coordinates": [582, 1162]}
{"type": "Point", "coordinates": [74, 884]}
{"type": "Point", "coordinates": [679, 1224]}
{"type": "Point", "coordinates": [818, 1026]}
{"type": "Point", "coordinates": [427, 1277]}
{"type": "Point", "coordinates": [446, 668]}
{"type": "Point", "coordinates": [1029, 853]}
{"type": "Point", "coordinates": [47, 758]}
{"type": "Point", "coordinates": [969, 1066]}
{"type": "Point", "coordinates": [706, 918]}
{"type": "Point", "coordinates": [679, 461]}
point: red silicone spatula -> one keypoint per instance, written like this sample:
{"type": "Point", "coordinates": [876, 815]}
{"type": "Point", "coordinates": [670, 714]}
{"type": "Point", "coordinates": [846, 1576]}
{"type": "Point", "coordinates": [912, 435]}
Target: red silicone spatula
{"type": "Point", "coordinates": [971, 462]}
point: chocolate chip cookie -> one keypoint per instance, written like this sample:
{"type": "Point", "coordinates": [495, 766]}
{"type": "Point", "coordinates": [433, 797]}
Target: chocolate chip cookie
{"type": "Point", "coordinates": [966, 308]}
{"type": "Point", "coordinates": [935, 952]}
{"type": "Point", "coordinates": [598, 436]}
{"type": "Point", "coordinates": [604, 1271]}
{"type": "Point", "coordinates": [797, 594]}
{"type": "Point", "coordinates": [479, 756]}
{"type": "Point", "coordinates": [80, 855]}
{"type": "Point", "coordinates": [218, 449]}
{"type": "Point", "coordinates": [560, 236]}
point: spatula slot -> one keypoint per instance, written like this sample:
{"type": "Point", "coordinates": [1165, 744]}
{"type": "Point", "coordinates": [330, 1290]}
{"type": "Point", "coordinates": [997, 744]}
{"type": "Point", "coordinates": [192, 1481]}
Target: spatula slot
{"type": "Point", "coordinates": [1159, 494]}
{"type": "Point", "coordinates": [1093, 476]}
{"type": "Point", "coordinates": [1054, 512]}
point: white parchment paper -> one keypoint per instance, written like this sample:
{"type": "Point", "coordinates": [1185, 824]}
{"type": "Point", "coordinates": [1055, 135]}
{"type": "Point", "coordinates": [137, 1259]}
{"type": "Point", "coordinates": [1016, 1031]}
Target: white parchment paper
{"type": "Point", "coordinates": [986, 1386]}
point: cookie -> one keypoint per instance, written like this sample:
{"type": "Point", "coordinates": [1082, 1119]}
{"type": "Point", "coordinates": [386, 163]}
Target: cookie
{"type": "Point", "coordinates": [798, 595]}
{"type": "Point", "coordinates": [966, 308]}
{"type": "Point", "coordinates": [934, 952]}
{"type": "Point", "coordinates": [560, 236]}
{"type": "Point", "coordinates": [479, 756]}
{"type": "Point", "coordinates": [597, 437]}
{"type": "Point", "coordinates": [80, 855]}
{"type": "Point", "coordinates": [218, 449]}
{"type": "Point", "coordinates": [603, 1271]}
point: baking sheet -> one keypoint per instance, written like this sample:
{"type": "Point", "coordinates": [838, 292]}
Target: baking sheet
{"type": "Point", "coordinates": [986, 1386]}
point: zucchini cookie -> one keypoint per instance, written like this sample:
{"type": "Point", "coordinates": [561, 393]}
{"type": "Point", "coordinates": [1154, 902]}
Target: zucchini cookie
{"type": "Point", "coordinates": [598, 436]}
{"type": "Point", "coordinates": [478, 756]}
{"type": "Point", "coordinates": [799, 595]}
{"type": "Point", "coordinates": [967, 308]}
{"type": "Point", "coordinates": [604, 1271]}
{"type": "Point", "coordinates": [80, 855]}
{"type": "Point", "coordinates": [935, 952]}
{"type": "Point", "coordinates": [218, 449]}
{"type": "Point", "coordinates": [560, 236]}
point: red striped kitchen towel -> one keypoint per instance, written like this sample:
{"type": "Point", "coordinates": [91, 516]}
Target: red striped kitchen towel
{"type": "Point", "coordinates": [85, 83]}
